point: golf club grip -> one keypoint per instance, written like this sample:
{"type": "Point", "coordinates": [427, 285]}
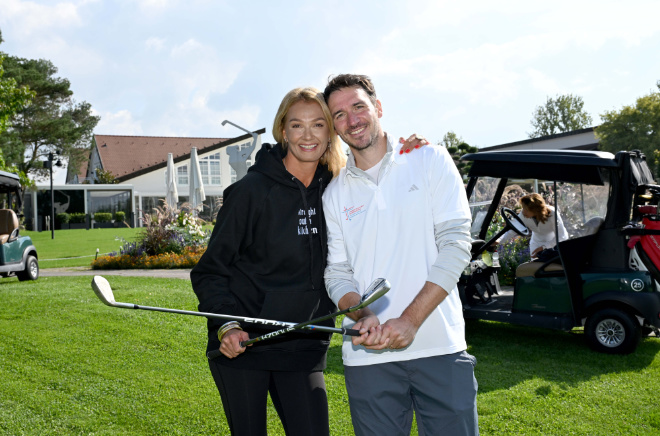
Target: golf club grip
{"type": "Point", "coordinates": [213, 354]}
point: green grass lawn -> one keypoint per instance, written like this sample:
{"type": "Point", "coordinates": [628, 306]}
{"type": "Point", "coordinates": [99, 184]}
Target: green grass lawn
{"type": "Point", "coordinates": [71, 366]}
{"type": "Point", "coordinates": [77, 247]}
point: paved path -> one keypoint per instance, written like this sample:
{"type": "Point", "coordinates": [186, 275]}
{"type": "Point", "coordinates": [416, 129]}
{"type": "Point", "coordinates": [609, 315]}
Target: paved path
{"type": "Point", "coordinates": [85, 271]}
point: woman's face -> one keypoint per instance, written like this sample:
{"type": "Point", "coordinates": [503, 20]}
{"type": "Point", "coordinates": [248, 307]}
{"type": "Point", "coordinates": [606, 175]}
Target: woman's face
{"type": "Point", "coordinates": [307, 131]}
{"type": "Point", "coordinates": [527, 213]}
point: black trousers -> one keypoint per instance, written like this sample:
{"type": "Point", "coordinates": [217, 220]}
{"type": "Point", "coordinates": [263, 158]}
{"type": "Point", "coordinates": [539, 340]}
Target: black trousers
{"type": "Point", "coordinates": [299, 397]}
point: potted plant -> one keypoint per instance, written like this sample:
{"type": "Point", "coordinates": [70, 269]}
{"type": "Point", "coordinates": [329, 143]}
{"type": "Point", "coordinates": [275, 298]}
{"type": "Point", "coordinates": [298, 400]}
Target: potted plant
{"type": "Point", "coordinates": [103, 220]}
{"type": "Point", "coordinates": [120, 216]}
{"type": "Point", "coordinates": [77, 221]}
{"type": "Point", "coordinates": [62, 220]}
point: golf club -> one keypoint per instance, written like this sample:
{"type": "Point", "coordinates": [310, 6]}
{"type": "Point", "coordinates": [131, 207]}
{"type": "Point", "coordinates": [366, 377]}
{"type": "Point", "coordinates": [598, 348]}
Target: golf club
{"type": "Point", "coordinates": [377, 289]}
{"type": "Point", "coordinates": [103, 290]}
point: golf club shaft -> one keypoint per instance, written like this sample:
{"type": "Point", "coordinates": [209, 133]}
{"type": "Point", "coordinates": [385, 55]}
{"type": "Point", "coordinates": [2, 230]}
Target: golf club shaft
{"type": "Point", "coordinates": [267, 322]}
{"type": "Point", "coordinates": [302, 325]}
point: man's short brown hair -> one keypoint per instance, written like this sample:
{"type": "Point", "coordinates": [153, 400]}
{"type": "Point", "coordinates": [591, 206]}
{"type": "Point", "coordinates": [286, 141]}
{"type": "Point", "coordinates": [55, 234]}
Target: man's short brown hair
{"type": "Point", "coordinates": [349, 81]}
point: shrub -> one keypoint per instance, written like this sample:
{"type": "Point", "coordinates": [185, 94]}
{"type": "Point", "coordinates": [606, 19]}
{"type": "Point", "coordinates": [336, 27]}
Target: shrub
{"type": "Point", "coordinates": [120, 216]}
{"type": "Point", "coordinates": [512, 253]}
{"type": "Point", "coordinates": [62, 218]}
{"type": "Point", "coordinates": [102, 217]}
{"type": "Point", "coordinates": [77, 218]}
{"type": "Point", "coordinates": [190, 229]}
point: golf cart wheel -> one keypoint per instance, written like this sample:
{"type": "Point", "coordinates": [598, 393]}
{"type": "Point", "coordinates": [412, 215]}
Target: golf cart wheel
{"type": "Point", "coordinates": [31, 271]}
{"type": "Point", "coordinates": [612, 331]}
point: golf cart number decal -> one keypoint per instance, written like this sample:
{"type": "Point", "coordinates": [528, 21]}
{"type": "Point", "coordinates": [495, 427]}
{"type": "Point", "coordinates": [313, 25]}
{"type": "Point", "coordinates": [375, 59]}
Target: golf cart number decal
{"type": "Point", "coordinates": [637, 285]}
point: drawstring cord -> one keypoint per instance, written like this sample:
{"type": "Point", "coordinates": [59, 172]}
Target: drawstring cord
{"type": "Point", "coordinates": [322, 229]}
{"type": "Point", "coordinates": [309, 234]}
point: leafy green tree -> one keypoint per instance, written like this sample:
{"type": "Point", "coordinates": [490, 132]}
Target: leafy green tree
{"type": "Point", "coordinates": [451, 139]}
{"type": "Point", "coordinates": [562, 114]}
{"type": "Point", "coordinates": [12, 97]}
{"type": "Point", "coordinates": [457, 148]}
{"type": "Point", "coordinates": [634, 128]}
{"type": "Point", "coordinates": [105, 177]}
{"type": "Point", "coordinates": [53, 123]}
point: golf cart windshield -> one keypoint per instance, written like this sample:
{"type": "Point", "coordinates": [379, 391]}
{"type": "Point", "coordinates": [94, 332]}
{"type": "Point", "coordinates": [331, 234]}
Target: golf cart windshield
{"type": "Point", "coordinates": [582, 207]}
{"type": "Point", "coordinates": [481, 200]}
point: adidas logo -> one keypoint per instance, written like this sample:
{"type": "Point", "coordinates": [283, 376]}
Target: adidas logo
{"type": "Point", "coordinates": [413, 188]}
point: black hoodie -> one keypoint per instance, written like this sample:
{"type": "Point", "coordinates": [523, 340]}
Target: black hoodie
{"type": "Point", "coordinates": [265, 259]}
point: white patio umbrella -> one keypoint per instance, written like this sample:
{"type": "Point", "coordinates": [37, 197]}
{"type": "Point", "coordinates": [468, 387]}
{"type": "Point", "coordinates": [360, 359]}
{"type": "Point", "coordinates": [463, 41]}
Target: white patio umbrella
{"type": "Point", "coordinates": [195, 184]}
{"type": "Point", "coordinates": [172, 194]}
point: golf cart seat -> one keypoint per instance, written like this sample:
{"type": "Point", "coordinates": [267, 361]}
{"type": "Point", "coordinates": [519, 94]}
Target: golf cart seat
{"type": "Point", "coordinates": [540, 269]}
{"type": "Point", "coordinates": [8, 225]}
{"type": "Point", "coordinates": [477, 244]}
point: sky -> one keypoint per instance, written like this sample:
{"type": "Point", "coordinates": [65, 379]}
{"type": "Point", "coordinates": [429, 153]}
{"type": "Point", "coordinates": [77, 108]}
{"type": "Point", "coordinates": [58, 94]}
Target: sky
{"type": "Point", "coordinates": [476, 68]}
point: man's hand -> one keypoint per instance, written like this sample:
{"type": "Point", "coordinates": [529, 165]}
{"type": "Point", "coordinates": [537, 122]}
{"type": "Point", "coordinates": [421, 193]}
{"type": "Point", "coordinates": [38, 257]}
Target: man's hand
{"type": "Point", "coordinates": [413, 142]}
{"type": "Point", "coordinates": [231, 343]}
{"type": "Point", "coordinates": [398, 333]}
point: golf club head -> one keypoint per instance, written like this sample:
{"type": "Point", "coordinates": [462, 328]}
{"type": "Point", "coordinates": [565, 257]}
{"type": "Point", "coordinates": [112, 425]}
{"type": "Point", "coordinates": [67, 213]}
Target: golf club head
{"type": "Point", "coordinates": [377, 289]}
{"type": "Point", "coordinates": [103, 290]}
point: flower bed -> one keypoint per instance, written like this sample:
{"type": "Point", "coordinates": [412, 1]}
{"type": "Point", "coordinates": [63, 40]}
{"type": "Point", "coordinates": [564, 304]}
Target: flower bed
{"type": "Point", "coordinates": [171, 239]}
{"type": "Point", "coordinates": [187, 259]}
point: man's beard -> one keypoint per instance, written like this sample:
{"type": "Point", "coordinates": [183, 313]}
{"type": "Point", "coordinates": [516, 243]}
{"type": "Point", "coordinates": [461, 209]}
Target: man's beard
{"type": "Point", "coordinates": [372, 141]}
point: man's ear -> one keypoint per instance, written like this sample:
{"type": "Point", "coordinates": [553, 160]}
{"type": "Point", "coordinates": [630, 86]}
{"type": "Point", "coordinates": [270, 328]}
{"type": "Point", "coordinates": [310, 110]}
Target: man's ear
{"type": "Point", "coordinates": [379, 109]}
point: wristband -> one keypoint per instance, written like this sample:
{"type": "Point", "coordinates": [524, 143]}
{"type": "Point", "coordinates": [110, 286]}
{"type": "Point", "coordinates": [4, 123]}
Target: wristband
{"type": "Point", "coordinates": [231, 325]}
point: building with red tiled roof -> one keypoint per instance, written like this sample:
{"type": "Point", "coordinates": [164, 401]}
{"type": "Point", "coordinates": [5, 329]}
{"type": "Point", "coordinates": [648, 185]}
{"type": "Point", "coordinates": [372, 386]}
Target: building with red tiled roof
{"type": "Point", "coordinates": [141, 161]}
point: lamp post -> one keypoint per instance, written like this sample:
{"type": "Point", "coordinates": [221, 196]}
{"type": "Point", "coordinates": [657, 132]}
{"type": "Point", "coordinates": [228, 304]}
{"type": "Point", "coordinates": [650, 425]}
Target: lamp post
{"type": "Point", "coordinates": [49, 164]}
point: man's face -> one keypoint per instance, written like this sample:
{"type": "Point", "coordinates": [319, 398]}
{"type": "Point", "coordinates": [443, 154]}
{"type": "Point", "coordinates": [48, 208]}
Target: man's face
{"type": "Point", "coordinates": [356, 118]}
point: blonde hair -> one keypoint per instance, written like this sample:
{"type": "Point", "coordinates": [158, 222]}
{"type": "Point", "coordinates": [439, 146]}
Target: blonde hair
{"type": "Point", "coordinates": [536, 205]}
{"type": "Point", "coordinates": [334, 157]}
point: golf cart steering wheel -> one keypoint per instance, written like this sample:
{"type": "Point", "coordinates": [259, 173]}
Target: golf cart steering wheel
{"type": "Point", "coordinates": [514, 222]}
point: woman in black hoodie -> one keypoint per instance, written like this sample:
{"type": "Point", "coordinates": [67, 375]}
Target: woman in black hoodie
{"type": "Point", "coordinates": [266, 259]}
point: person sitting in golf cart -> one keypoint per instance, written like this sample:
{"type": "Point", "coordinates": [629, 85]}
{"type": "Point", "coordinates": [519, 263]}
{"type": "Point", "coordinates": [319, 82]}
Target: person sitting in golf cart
{"type": "Point", "coordinates": [540, 219]}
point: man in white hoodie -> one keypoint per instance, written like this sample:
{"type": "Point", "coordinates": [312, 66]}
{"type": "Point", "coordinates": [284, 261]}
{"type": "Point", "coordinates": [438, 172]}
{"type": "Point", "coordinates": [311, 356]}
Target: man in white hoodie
{"type": "Point", "coordinates": [404, 217]}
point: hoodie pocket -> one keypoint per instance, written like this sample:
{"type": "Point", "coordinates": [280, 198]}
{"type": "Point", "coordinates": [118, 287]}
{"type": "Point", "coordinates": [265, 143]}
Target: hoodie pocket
{"type": "Point", "coordinates": [290, 306]}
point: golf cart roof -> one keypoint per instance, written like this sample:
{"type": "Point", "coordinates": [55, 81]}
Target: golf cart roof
{"type": "Point", "coordinates": [9, 182]}
{"type": "Point", "coordinates": [577, 166]}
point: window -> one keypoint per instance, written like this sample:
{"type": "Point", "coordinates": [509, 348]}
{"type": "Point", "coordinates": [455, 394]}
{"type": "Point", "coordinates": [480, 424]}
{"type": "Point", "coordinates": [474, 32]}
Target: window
{"type": "Point", "coordinates": [210, 167]}
{"type": "Point", "coordinates": [182, 175]}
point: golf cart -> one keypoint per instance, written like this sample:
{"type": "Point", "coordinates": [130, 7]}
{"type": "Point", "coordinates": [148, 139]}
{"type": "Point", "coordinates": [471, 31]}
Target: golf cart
{"type": "Point", "coordinates": [17, 254]}
{"type": "Point", "coordinates": [604, 277]}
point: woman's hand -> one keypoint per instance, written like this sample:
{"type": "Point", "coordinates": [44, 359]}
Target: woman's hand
{"type": "Point", "coordinates": [231, 343]}
{"type": "Point", "coordinates": [537, 251]}
{"type": "Point", "coordinates": [413, 142]}
{"type": "Point", "coordinates": [370, 330]}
